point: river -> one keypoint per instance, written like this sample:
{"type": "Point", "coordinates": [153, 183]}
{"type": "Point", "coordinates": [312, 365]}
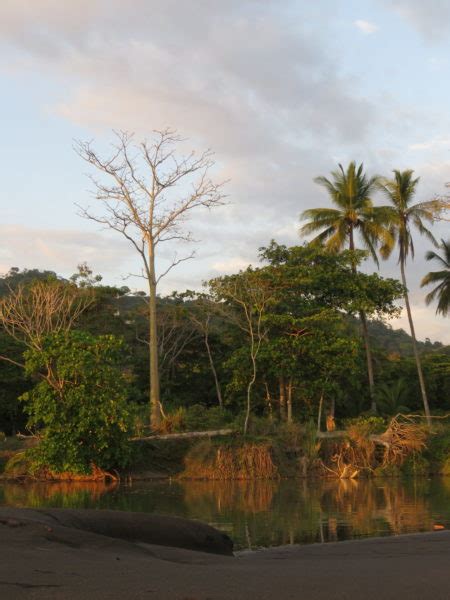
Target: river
{"type": "Point", "coordinates": [264, 513]}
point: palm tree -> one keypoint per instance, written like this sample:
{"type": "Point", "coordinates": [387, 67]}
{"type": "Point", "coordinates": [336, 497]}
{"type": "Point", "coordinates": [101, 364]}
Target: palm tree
{"type": "Point", "coordinates": [442, 278]}
{"type": "Point", "coordinates": [350, 191]}
{"type": "Point", "coordinates": [402, 216]}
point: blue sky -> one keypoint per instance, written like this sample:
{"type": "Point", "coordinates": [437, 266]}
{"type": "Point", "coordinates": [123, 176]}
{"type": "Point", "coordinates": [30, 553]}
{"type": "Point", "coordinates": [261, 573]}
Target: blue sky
{"type": "Point", "coordinates": [281, 90]}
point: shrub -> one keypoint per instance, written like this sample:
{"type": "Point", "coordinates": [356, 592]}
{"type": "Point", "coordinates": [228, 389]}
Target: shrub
{"type": "Point", "coordinates": [415, 465]}
{"type": "Point", "coordinates": [445, 468]}
{"type": "Point", "coordinates": [367, 424]}
{"type": "Point", "coordinates": [19, 465]}
{"type": "Point", "coordinates": [82, 408]}
{"type": "Point", "coordinates": [389, 470]}
{"type": "Point", "coordinates": [173, 422]}
{"type": "Point", "coordinates": [200, 418]}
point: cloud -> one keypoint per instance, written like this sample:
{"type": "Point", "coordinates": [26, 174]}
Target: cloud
{"type": "Point", "coordinates": [431, 19]}
{"type": "Point", "coordinates": [366, 26]}
{"type": "Point", "coordinates": [243, 77]}
{"type": "Point", "coordinates": [434, 144]}
{"type": "Point", "coordinates": [232, 265]}
{"type": "Point", "coordinates": [58, 250]}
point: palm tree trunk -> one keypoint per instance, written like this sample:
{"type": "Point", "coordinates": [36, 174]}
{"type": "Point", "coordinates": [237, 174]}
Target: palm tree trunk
{"type": "Point", "coordinates": [365, 332]}
{"type": "Point", "coordinates": [423, 389]}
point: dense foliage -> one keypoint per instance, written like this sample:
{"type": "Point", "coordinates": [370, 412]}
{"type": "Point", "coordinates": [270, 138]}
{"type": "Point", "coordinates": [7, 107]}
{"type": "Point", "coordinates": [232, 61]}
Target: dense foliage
{"type": "Point", "coordinates": [79, 405]}
{"type": "Point", "coordinates": [311, 356]}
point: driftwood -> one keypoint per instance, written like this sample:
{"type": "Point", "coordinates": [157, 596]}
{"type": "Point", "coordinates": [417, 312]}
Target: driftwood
{"type": "Point", "coordinates": [180, 436]}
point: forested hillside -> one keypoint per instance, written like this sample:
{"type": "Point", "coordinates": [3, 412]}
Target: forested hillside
{"type": "Point", "coordinates": [311, 349]}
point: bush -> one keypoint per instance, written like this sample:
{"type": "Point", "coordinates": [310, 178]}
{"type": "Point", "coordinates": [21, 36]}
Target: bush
{"type": "Point", "coordinates": [200, 418]}
{"type": "Point", "coordinates": [367, 423]}
{"type": "Point", "coordinates": [82, 408]}
{"type": "Point", "coordinates": [258, 426]}
{"type": "Point", "coordinates": [19, 465]}
{"type": "Point", "coordinates": [415, 465]}
{"type": "Point", "coordinates": [438, 447]}
{"type": "Point", "coordinates": [387, 471]}
{"type": "Point", "coordinates": [445, 468]}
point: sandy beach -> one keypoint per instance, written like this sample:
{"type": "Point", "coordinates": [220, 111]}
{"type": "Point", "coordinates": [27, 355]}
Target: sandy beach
{"type": "Point", "coordinates": [41, 559]}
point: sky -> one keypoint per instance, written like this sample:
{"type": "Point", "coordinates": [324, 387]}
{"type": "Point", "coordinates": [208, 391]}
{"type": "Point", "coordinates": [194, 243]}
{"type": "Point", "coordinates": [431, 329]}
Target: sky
{"type": "Point", "coordinates": [281, 90]}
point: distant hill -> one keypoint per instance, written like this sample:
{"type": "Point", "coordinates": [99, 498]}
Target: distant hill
{"type": "Point", "coordinates": [398, 340]}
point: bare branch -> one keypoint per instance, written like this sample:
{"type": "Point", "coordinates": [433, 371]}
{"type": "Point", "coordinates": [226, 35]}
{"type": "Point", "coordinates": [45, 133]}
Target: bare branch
{"type": "Point", "coordinates": [29, 313]}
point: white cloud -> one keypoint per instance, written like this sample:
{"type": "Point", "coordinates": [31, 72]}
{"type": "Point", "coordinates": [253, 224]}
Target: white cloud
{"type": "Point", "coordinates": [366, 26]}
{"type": "Point", "coordinates": [241, 77]}
{"type": "Point", "coordinates": [431, 144]}
{"type": "Point", "coordinates": [231, 265]}
{"type": "Point", "coordinates": [58, 250]}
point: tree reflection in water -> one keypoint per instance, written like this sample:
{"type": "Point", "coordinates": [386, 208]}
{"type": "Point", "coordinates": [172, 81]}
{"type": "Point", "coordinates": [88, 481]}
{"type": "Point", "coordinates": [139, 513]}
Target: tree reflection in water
{"type": "Point", "coordinates": [264, 512]}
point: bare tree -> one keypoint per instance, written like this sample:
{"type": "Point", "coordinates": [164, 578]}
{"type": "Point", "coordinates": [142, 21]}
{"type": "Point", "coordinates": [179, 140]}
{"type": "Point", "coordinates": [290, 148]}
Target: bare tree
{"type": "Point", "coordinates": [31, 312]}
{"type": "Point", "coordinates": [148, 192]}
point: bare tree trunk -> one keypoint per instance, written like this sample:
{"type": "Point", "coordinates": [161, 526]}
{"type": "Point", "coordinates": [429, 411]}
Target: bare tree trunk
{"type": "Point", "coordinates": [319, 416]}
{"type": "Point", "coordinates": [213, 369]}
{"type": "Point", "coordinates": [289, 401]}
{"type": "Point", "coordinates": [423, 389]}
{"type": "Point", "coordinates": [249, 395]}
{"type": "Point", "coordinates": [269, 401]}
{"type": "Point", "coordinates": [155, 400]}
{"type": "Point", "coordinates": [137, 205]}
{"type": "Point", "coordinates": [331, 425]}
{"type": "Point", "coordinates": [282, 399]}
{"type": "Point", "coordinates": [365, 330]}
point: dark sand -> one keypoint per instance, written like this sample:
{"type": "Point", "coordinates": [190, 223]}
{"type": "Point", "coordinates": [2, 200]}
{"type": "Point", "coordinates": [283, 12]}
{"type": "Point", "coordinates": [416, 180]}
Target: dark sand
{"type": "Point", "coordinates": [41, 559]}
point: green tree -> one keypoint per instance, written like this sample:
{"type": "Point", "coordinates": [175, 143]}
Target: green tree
{"type": "Point", "coordinates": [402, 216]}
{"type": "Point", "coordinates": [80, 406]}
{"type": "Point", "coordinates": [350, 190]}
{"type": "Point", "coordinates": [317, 288]}
{"type": "Point", "coordinates": [441, 278]}
{"type": "Point", "coordinates": [249, 294]}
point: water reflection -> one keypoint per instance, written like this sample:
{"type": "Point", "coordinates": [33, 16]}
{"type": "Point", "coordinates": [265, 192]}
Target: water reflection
{"type": "Point", "coordinates": [60, 494]}
{"type": "Point", "coordinates": [265, 513]}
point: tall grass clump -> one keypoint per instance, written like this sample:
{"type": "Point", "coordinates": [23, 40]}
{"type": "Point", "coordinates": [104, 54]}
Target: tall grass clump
{"type": "Point", "coordinates": [232, 460]}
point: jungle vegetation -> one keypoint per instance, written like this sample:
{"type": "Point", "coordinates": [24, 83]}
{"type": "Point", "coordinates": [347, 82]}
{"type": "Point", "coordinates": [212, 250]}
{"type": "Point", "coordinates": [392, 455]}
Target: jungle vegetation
{"type": "Point", "coordinates": [303, 337]}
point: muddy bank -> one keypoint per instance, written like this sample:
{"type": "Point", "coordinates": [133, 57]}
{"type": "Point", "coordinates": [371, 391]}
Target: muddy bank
{"type": "Point", "coordinates": [42, 559]}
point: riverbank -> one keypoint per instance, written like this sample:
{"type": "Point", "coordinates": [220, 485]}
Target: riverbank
{"type": "Point", "coordinates": [368, 447]}
{"type": "Point", "coordinates": [73, 564]}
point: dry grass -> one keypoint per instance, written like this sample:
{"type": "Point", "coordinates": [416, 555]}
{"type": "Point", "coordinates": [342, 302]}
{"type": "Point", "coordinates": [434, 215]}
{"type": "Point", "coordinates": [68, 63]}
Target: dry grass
{"type": "Point", "coordinates": [96, 474]}
{"type": "Point", "coordinates": [245, 461]}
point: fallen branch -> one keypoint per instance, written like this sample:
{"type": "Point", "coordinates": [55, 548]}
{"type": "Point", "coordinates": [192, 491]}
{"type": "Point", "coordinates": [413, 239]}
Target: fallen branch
{"type": "Point", "coordinates": [186, 435]}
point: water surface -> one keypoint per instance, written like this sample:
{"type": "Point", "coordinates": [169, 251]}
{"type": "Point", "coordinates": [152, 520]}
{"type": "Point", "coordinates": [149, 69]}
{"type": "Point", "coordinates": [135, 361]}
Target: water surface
{"type": "Point", "coordinates": [264, 513]}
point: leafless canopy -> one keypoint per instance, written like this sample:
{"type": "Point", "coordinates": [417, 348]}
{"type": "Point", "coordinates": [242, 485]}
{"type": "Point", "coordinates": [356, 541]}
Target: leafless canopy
{"type": "Point", "coordinates": [29, 313]}
{"type": "Point", "coordinates": [150, 190]}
